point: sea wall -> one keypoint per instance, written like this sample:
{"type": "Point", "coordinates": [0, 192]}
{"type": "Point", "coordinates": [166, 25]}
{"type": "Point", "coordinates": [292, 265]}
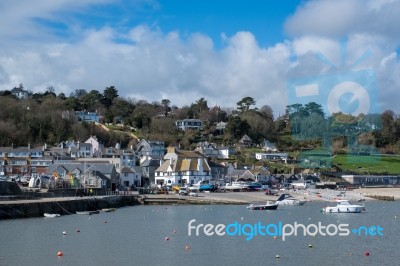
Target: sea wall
{"type": "Point", "coordinates": [63, 206]}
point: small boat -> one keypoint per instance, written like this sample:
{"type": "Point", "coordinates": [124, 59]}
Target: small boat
{"type": "Point", "coordinates": [344, 206]}
{"type": "Point", "coordinates": [51, 215]}
{"type": "Point", "coordinates": [88, 212]}
{"type": "Point", "coordinates": [269, 205]}
{"type": "Point", "coordinates": [287, 199]}
{"type": "Point", "coordinates": [109, 210]}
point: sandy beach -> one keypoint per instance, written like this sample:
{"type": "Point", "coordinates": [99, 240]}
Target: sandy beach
{"type": "Point", "coordinates": [309, 195]}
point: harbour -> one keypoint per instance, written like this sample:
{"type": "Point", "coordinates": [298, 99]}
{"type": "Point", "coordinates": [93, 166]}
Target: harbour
{"type": "Point", "coordinates": [158, 235]}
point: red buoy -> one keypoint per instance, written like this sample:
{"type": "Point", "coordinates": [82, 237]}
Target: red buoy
{"type": "Point", "coordinates": [366, 253]}
{"type": "Point", "coordinates": [60, 254]}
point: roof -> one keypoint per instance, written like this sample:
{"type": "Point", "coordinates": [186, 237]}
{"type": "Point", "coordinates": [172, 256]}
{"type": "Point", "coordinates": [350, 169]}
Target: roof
{"type": "Point", "coordinates": [181, 165]}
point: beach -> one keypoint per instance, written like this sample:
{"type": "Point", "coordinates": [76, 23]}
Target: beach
{"type": "Point", "coordinates": [364, 194]}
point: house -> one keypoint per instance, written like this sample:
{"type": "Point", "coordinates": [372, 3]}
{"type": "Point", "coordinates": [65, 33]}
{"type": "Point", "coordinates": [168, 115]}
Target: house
{"type": "Point", "coordinates": [149, 167]}
{"type": "Point", "coordinates": [130, 177]}
{"type": "Point", "coordinates": [152, 149]}
{"type": "Point", "coordinates": [119, 157]}
{"type": "Point", "coordinates": [182, 167]}
{"type": "Point", "coordinates": [189, 124]}
{"type": "Point", "coordinates": [87, 116]}
{"type": "Point", "coordinates": [20, 93]}
{"type": "Point", "coordinates": [226, 152]}
{"type": "Point", "coordinates": [253, 175]}
{"type": "Point", "coordinates": [100, 175]}
{"type": "Point", "coordinates": [268, 146]}
{"type": "Point", "coordinates": [96, 145]}
{"type": "Point", "coordinates": [272, 156]}
{"type": "Point", "coordinates": [17, 161]}
{"type": "Point", "coordinates": [218, 171]}
{"type": "Point", "coordinates": [82, 150]}
{"type": "Point", "coordinates": [207, 150]}
{"type": "Point", "coordinates": [245, 142]}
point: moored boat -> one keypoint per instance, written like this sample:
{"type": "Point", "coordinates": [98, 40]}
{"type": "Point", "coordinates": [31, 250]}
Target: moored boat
{"type": "Point", "coordinates": [51, 215]}
{"type": "Point", "coordinates": [87, 212]}
{"type": "Point", "coordinates": [109, 210]}
{"type": "Point", "coordinates": [287, 199]}
{"type": "Point", "coordinates": [269, 205]}
{"type": "Point", "coordinates": [344, 206]}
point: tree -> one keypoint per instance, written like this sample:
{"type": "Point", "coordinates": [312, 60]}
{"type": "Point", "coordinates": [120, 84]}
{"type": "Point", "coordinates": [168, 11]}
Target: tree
{"type": "Point", "coordinates": [244, 104]}
{"type": "Point", "coordinates": [109, 94]}
{"type": "Point", "coordinates": [165, 103]}
{"type": "Point", "coordinates": [237, 127]}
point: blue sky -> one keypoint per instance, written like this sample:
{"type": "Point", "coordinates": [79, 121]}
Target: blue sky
{"type": "Point", "coordinates": [184, 50]}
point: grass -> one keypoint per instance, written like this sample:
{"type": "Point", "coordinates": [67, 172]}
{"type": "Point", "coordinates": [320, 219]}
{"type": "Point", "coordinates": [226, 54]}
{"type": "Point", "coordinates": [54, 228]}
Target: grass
{"type": "Point", "coordinates": [373, 164]}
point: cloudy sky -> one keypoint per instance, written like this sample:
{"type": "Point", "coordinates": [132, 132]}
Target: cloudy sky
{"type": "Point", "coordinates": [223, 51]}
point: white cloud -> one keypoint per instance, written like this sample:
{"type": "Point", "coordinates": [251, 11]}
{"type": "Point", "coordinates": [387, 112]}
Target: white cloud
{"type": "Point", "coordinates": [151, 64]}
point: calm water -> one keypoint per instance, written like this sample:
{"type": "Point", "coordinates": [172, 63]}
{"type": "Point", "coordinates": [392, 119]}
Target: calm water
{"type": "Point", "coordinates": [136, 236]}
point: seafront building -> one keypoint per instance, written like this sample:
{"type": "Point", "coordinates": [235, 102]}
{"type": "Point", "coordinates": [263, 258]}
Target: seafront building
{"type": "Point", "coordinates": [182, 167]}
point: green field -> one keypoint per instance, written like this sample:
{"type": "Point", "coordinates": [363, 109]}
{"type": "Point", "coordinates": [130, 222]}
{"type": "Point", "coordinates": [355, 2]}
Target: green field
{"type": "Point", "coordinates": [376, 164]}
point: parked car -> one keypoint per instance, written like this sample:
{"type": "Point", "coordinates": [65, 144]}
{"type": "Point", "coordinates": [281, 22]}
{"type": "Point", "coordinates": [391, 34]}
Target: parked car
{"type": "Point", "coordinates": [207, 187]}
{"type": "Point", "coordinates": [183, 191]}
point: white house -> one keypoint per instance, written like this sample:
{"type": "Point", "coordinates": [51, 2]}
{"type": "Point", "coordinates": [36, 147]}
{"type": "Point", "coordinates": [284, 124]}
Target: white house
{"type": "Point", "coordinates": [182, 167]}
{"type": "Point", "coordinates": [96, 145]}
{"type": "Point", "coordinates": [187, 124]}
{"type": "Point", "coordinates": [272, 156]}
{"type": "Point", "coordinates": [268, 146]}
{"type": "Point", "coordinates": [129, 177]}
{"type": "Point", "coordinates": [225, 152]}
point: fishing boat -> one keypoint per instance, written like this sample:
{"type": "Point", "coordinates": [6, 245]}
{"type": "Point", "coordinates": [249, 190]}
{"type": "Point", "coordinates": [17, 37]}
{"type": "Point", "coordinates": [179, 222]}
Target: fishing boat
{"type": "Point", "coordinates": [344, 206]}
{"type": "Point", "coordinates": [51, 215]}
{"type": "Point", "coordinates": [269, 205]}
{"type": "Point", "coordinates": [87, 212]}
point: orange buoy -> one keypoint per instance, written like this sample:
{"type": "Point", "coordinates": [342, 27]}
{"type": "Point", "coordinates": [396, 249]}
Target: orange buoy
{"type": "Point", "coordinates": [60, 254]}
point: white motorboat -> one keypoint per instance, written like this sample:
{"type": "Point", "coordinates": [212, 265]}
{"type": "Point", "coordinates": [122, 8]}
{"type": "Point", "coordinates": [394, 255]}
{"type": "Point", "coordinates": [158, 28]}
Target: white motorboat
{"type": "Point", "coordinates": [344, 206]}
{"type": "Point", "coordinates": [287, 199]}
{"type": "Point", "coordinates": [51, 215]}
{"type": "Point", "coordinates": [235, 186]}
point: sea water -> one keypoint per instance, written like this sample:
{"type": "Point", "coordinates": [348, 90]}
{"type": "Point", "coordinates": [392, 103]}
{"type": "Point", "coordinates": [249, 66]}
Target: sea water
{"type": "Point", "coordinates": [158, 235]}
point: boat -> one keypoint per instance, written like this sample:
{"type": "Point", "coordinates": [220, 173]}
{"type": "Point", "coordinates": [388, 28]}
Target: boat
{"type": "Point", "coordinates": [287, 199]}
{"type": "Point", "coordinates": [344, 206]}
{"type": "Point", "coordinates": [51, 215]}
{"type": "Point", "coordinates": [109, 210]}
{"type": "Point", "coordinates": [88, 212]}
{"type": "Point", "coordinates": [269, 205]}
{"type": "Point", "coordinates": [235, 186]}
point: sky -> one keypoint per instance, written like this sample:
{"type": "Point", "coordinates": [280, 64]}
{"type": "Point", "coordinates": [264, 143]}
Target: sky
{"type": "Point", "coordinates": [342, 54]}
